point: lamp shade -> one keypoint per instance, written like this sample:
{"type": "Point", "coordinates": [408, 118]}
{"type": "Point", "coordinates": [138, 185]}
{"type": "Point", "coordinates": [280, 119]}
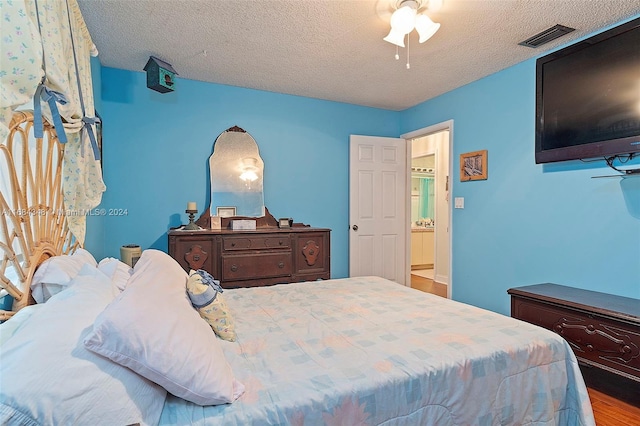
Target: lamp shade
{"type": "Point", "coordinates": [395, 37]}
{"type": "Point", "coordinates": [425, 27]}
{"type": "Point", "coordinates": [403, 20]}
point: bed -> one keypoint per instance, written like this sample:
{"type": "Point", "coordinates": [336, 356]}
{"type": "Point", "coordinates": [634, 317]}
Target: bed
{"type": "Point", "coordinates": [109, 344]}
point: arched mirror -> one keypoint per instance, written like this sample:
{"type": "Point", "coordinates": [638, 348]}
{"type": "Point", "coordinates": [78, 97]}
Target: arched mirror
{"type": "Point", "coordinates": [236, 171]}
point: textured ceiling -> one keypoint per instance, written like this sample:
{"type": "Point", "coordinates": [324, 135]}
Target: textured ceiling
{"type": "Point", "coordinates": [333, 49]}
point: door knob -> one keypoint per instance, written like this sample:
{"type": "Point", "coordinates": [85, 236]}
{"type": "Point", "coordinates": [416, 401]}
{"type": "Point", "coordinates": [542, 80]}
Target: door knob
{"type": "Point", "coordinates": [354, 227]}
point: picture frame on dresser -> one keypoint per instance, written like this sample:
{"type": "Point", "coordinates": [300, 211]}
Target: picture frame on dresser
{"type": "Point", "coordinates": [285, 222]}
{"type": "Point", "coordinates": [227, 211]}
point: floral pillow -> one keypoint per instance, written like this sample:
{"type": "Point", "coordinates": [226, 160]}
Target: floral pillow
{"type": "Point", "coordinates": [205, 295]}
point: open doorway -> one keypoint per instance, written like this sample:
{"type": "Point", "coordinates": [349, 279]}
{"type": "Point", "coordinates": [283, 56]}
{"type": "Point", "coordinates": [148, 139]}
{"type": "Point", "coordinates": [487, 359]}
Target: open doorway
{"type": "Point", "coordinates": [430, 209]}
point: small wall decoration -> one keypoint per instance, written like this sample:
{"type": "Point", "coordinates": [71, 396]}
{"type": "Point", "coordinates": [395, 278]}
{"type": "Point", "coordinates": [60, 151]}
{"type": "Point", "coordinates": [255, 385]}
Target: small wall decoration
{"type": "Point", "coordinates": [160, 75]}
{"type": "Point", "coordinates": [473, 166]}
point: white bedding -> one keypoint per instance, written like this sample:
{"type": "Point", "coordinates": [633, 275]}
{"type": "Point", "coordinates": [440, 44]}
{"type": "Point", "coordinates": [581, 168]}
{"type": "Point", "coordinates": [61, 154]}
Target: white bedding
{"type": "Point", "coordinates": [363, 351]}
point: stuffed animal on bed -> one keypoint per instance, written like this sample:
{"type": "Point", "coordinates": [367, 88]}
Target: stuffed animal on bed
{"type": "Point", "coordinates": [205, 294]}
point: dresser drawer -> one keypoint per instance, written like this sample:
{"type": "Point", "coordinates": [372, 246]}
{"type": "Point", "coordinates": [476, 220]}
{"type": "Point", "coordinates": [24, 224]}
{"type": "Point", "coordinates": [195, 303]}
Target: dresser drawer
{"type": "Point", "coordinates": [608, 343]}
{"type": "Point", "coordinates": [194, 253]}
{"type": "Point", "coordinates": [257, 242]}
{"type": "Point", "coordinates": [250, 266]}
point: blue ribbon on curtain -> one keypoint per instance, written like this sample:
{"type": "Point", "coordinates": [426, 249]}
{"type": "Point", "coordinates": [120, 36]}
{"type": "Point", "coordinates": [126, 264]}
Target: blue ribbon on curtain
{"type": "Point", "coordinates": [88, 122]}
{"type": "Point", "coordinates": [52, 98]}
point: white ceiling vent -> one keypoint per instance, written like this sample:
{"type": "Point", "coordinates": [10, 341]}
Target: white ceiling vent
{"type": "Point", "coordinates": [546, 36]}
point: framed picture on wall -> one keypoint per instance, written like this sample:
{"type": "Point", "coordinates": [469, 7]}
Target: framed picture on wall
{"type": "Point", "coordinates": [473, 166]}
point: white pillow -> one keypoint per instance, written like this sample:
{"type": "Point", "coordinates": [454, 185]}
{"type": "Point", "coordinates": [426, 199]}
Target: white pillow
{"type": "Point", "coordinates": [48, 377]}
{"type": "Point", "coordinates": [55, 273]}
{"type": "Point", "coordinates": [153, 329]}
{"type": "Point", "coordinates": [13, 324]}
{"type": "Point", "coordinates": [118, 271]}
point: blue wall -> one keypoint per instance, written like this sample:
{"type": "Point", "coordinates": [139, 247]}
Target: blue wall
{"type": "Point", "coordinates": [157, 146]}
{"type": "Point", "coordinates": [527, 223]}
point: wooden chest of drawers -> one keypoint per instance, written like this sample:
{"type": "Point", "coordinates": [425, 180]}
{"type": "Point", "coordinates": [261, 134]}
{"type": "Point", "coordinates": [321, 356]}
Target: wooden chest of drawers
{"type": "Point", "coordinates": [602, 329]}
{"type": "Point", "coordinates": [255, 258]}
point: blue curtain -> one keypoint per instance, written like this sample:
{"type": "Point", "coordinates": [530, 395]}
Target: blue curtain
{"type": "Point", "coordinates": [426, 197]}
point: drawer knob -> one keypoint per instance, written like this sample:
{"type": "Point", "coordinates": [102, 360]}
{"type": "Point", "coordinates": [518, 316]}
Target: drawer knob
{"type": "Point", "coordinates": [233, 244]}
{"type": "Point", "coordinates": [626, 349]}
{"type": "Point", "coordinates": [590, 348]}
{"type": "Point", "coordinates": [281, 265]}
{"type": "Point", "coordinates": [234, 268]}
{"type": "Point", "coordinates": [310, 252]}
{"type": "Point", "coordinates": [280, 242]}
{"type": "Point", "coordinates": [196, 257]}
{"type": "Point", "coordinates": [590, 327]}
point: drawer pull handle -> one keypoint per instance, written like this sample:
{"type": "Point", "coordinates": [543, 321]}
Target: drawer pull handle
{"type": "Point", "coordinates": [234, 268]}
{"type": "Point", "coordinates": [281, 265]}
{"type": "Point", "coordinates": [280, 242]}
{"type": "Point", "coordinates": [233, 244]}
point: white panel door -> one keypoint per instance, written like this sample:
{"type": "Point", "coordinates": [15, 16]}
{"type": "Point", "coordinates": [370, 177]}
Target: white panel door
{"type": "Point", "coordinates": [377, 198]}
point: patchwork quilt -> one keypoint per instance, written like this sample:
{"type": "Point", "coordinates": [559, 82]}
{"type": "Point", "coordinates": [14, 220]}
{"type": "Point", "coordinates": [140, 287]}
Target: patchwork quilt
{"type": "Point", "coordinates": [367, 351]}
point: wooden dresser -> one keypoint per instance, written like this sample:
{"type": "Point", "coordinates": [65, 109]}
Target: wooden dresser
{"type": "Point", "coordinates": [602, 329]}
{"type": "Point", "coordinates": [262, 257]}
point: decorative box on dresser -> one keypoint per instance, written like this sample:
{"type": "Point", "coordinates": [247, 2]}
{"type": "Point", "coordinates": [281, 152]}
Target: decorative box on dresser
{"type": "Point", "coordinates": [602, 329]}
{"type": "Point", "coordinates": [255, 258]}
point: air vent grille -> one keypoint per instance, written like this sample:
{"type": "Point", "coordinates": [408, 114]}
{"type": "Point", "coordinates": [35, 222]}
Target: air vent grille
{"type": "Point", "coordinates": [546, 36]}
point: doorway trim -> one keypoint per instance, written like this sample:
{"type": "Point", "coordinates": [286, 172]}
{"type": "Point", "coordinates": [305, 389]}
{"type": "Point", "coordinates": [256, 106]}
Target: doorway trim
{"type": "Point", "coordinates": [425, 131]}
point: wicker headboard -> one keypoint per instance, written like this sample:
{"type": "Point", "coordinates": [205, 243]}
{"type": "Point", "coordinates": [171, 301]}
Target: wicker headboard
{"type": "Point", "coordinates": [33, 221]}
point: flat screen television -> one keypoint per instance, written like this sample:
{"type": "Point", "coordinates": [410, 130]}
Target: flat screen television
{"type": "Point", "coordinates": [588, 98]}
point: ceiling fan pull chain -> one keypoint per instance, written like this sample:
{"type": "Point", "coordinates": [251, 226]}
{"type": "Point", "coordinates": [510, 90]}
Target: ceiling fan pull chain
{"type": "Point", "coordinates": [397, 54]}
{"type": "Point", "coordinates": [408, 42]}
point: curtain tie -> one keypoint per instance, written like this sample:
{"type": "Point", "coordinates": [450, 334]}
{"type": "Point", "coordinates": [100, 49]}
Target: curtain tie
{"type": "Point", "coordinates": [88, 122]}
{"type": "Point", "coordinates": [51, 97]}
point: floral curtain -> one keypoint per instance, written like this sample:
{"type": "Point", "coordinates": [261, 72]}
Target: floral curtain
{"type": "Point", "coordinates": [45, 52]}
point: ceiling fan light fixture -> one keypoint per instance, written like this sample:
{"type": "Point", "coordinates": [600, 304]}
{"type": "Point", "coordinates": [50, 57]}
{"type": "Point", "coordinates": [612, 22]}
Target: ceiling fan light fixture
{"type": "Point", "coordinates": [249, 169]}
{"type": "Point", "coordinates": [249, 175]}
{"type": "Point", "coordinates": [403, 20]}
{"type": "Point", "coordinates": [406, 18]}
{"type": "Point", "coordinates": [395, 37]}
{"type": "Point", "coordinates": [425, 27]}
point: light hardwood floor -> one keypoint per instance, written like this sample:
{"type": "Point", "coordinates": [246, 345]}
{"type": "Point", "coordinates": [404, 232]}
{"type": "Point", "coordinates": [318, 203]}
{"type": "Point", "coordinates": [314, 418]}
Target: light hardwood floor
{"type": "Point", "coordinates": [428, 286]}
{"type": "Point", "coordinates": [615, 400]}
